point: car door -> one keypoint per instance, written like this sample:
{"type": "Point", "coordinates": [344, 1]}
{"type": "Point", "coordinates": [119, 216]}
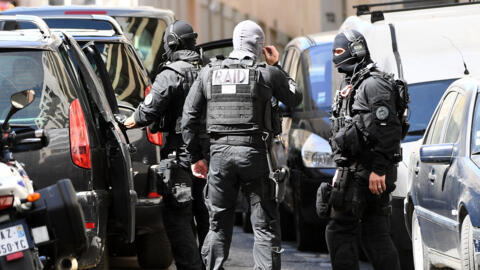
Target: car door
{"type": "Point", "coordinates": [428, 184]}
{"type": "Point", "coordinates": [119, 166]}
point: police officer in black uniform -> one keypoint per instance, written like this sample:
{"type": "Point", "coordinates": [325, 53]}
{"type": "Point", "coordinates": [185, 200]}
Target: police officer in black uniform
{"type": "Point", "coordinates": [162, 110]}
{"type": "Point", "coordinates": [236, 93]}
{"type": "Point", "coordinates": [366, 143]}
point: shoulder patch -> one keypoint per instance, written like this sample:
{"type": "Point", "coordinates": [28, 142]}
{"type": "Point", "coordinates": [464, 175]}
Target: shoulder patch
{"type": "Point", "coordinates": [148, 99]}
{"type": "Point", "coordinates": [382, 113]}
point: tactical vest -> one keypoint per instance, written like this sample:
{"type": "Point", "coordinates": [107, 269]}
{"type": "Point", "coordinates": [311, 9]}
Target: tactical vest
{"type": "Point", "coordinates": [187, 73]}
{"type": "Point", "coordinates": [234, 100]}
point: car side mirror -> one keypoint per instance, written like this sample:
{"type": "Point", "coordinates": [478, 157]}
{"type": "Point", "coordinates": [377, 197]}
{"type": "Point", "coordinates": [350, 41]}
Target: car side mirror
{"type": "Point", "coordinates": [18, 101]}
{"type": "Point", "coordinates": [437, 153]}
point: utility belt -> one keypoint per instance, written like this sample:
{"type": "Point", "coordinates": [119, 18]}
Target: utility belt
{"type": "Point", "coordinates": [172, 181]}
{"type": "Point", "coordinates": [254, 140]}
{"type": "Point", "coordinates": [346, 195]}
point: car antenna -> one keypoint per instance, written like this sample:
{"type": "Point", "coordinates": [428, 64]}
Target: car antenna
{"type": "Point", "coordinates": [466, 72]}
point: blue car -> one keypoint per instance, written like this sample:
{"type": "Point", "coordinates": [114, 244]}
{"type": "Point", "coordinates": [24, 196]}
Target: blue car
{"type": "Point", "coordinates": [442, 210]}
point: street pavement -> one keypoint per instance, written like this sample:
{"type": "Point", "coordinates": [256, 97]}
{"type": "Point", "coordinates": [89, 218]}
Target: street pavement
{"type": "Point", "coordinates": [241, 257]}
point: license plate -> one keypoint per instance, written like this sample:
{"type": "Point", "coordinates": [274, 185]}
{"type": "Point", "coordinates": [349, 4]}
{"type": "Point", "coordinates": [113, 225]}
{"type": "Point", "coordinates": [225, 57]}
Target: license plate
{"type": "Point", "coordinates": [13, 239]}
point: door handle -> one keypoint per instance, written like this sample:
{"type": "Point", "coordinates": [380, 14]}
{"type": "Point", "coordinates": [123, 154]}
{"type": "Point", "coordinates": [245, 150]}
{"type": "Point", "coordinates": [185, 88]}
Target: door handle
{"type": "Point", "coordinates": [416, 169]}
{"type": "Point", "coordinates": [431, 176]}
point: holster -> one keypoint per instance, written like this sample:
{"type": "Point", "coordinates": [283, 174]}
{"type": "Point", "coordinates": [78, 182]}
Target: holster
{"type": "Point", "coordinates": [323, 205]}
{"type": "Point", "coordinates": [177, 184]}
{"type": "Point", "coordinates": [337, 198]}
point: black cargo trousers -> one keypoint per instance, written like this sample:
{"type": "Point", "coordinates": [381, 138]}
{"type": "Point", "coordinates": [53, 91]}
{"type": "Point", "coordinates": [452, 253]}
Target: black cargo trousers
{"type": "Point", "coordinates": [365, 217]}
{"type": "Point", "coordinates": [178, 217]}
{"type": "Point", "coordinates": [240, 161]}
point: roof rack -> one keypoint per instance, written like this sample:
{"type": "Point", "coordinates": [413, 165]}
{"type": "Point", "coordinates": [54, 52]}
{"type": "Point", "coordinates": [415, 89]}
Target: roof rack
{"type": "Point", "coordinates": [42, 26]}
{"type": "Point", "coordinates": [364, 9]}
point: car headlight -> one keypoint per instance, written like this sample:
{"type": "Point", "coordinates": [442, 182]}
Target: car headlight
{"type": "Point", "coordinates": [317, 153]}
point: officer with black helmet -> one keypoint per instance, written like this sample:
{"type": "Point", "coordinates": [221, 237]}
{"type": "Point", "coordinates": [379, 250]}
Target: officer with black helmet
{"type": "Point", "coordinates": [162, 110]}
{"type": "Point", "coordinates": [236, 94]}
{"type": "Point", "coordinates": [366, 134]}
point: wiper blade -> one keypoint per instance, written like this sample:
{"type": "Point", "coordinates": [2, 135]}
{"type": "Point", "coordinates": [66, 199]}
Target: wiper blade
{"type": "Point", "coordinates": [416, 132]}
{"type": "Point", "coordinates": [476, 153]}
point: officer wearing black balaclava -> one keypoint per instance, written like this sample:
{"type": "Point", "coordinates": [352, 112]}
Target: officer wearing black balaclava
{"type": "Point", "coordinates": [236, 94]}
{"type": "Point", "coordinates": [162, 110]}
{"type": "Point", "coordinates": [365, 141]}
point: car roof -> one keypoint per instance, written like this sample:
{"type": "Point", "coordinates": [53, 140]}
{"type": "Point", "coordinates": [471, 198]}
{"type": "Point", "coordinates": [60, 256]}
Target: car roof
{"type": "Point", "coordinates": [305, 42]}
{"type": "Point", "coordinates": [149, 12]}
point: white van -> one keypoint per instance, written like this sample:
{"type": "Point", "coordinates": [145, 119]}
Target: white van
{"type": "Point", "coordinates": [429, 48]}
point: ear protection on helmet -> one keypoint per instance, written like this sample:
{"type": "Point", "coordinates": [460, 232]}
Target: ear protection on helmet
{"type": "Point", "coordinates": [175, 41]}
{"type": "Point", "coordinates": [357, 46]}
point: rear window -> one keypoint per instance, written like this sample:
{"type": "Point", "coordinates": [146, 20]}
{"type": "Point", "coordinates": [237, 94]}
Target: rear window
{"type": "Point", "coordinates": [146, 35]}
{"type": "Point", "coordinates": [69, 23]}
{"type": "Point", "coordinates": [125, 72]}
{"type": "Point", "coordinates": [319, 64]}
{"type": "Point", "coordinates": [43, 72]}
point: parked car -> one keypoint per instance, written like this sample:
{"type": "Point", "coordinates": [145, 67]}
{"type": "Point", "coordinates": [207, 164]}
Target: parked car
{"type": "Point", "coordinates": [305, 133]}
{"type": "Point", "coordinates": [442, 206]}
{"type": "Point", "coordinates": [87, 144]}
{"type": "Point", "coordinates": [429, 47]}
{"type": "Point", "coordinates": [125, 81]}
{"type": "Point", "coordinates": [144, 26]}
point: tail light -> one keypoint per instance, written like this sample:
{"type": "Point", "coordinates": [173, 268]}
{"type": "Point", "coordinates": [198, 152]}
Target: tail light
{"type": "Point", "coordinates": [6, 202]}
{"type": "Point", "coordinates": [147, 90]}
{"type": "Point", "coordinates": [85, 12]}
{"type": "Point", "coordinates": [79, 144]}
{"type": "Point", "coordinates": [155, 138]}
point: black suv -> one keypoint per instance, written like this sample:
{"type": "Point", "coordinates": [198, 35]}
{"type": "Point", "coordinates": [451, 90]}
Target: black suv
{"type": "Point", "coordinates": [87, 144]}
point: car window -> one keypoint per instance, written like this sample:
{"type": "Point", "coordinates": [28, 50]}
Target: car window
{"type": "Point", "coordinates": [424, 98]}
{"type": "Point", "coordinates": [319, 77]}
{"type": "Point", "coordinates": [457, 117]}
{"type": "Point", "coordinates": [146, 35]}
{"type": "Point", "coordinates": [475, 139]}
{"type": "Point", "coordinates": [128, 81]}
{"type": "Point", "coordinates": [72, 23]}
{"type": "Point", "coordinates": [299, 79]}
{"type": "Point", "coordinates": [441, 117]}
{"type": "Point", "coordinates": [287, 59]}
{"type": "Point", "coordinates": [212, 53]}
{"type": "Point", "coordinates": [294, 65]}
{"type": "Point", "coordinates": [46, 74]}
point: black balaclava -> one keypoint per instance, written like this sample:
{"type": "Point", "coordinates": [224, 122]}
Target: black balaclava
{"type": "Point", "coordinates": [347, 63]}
{"type": "Point", "coordinates": [186, 36]}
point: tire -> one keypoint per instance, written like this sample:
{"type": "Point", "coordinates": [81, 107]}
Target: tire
{"type": "Point", "coordinates": [287, 224]}
{"type": "Point", "coordinates": [308, 237]}
{"type": "Point", "coordinates": [246, 222]}
{"type": "Point", "coordinates": [420, 252]}
{"type": "Point", "coordinates": [153, 250]}
{"type": "Point", "coordinates": [104, 262]}
{"type": "Point", "coordinates": [466, 244]}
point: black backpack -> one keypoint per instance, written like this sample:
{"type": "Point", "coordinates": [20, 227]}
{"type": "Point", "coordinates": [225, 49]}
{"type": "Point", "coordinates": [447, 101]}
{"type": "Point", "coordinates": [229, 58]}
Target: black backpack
{"type": "Point", "coordinates": [403, 98]}
{"type": "Point", "coordinates": [187, 74]}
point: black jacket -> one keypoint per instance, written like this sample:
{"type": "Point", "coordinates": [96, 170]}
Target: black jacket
{"type": "Point", "coordinates": [274, 79]}
{"type": "Point", "coordinates": [374, 116]}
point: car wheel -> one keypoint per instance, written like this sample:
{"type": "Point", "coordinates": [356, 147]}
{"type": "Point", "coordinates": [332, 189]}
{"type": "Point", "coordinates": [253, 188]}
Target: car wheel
{"type": "Point", "coordinates": [466, 244]}
{"type": "Point", "coordinates": [153, 250]}
{"type": "Point", "coordinates": [287, 224]}
{"type": "Point", "coordinates": [420, 253]}
{"type": "Point", "coordinates": [306, 234]}
{"type": "Point", "coordinates": [246, 223]}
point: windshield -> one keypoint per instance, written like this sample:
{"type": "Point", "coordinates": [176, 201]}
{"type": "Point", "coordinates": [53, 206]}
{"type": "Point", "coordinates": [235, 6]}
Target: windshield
{"type": "Point", "coordinates": [424, 98]}
{"type": "Point", "coordinates": [126, 74]}
{"type": "Point", "coordinates": [146, 35]}
{"type": "Point", "coordinates": [43, 72]}
{"type": "Point", "coordinates": [319, 61]}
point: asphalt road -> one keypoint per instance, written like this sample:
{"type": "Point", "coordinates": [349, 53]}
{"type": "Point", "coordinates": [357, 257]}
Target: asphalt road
{"type": "Point", "coordinates": [241, 257]}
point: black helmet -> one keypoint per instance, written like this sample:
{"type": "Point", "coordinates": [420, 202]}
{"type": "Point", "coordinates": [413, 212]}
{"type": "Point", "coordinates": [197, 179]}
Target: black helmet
{"type": "Point", "coordinates": [349, 51]}
{"type": "Point", "coordinates": [179, 35]}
